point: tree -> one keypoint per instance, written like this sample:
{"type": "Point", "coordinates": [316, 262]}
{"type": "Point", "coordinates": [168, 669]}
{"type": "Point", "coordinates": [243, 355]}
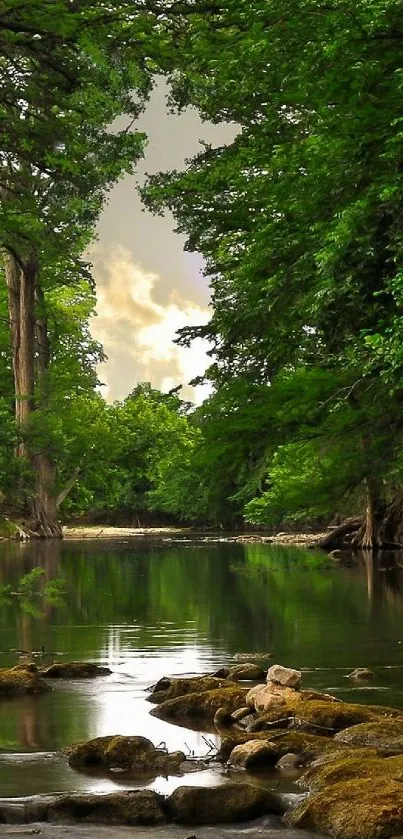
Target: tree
{"type": "Point", "coordinates": [299, 221]}
{"type": "Point", "coordinates": [68, 70]}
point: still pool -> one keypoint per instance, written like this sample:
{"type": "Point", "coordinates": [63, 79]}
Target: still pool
{"type": "Point", "coordinates": [149, 608]}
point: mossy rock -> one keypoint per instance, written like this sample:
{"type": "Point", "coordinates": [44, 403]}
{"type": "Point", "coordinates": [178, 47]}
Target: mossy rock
{"type": "Point", "coordinates": [386, 735]}
{"type": "Point", "coordinates": [307, 746]}
{"type": "Point", "coordinates": [74, 670]}
{"type": "Point", "coordinates": [328, 717]}
{"type": "Point", "coordinates": [226, 803]}
{"type": "Point", "coordinates": [345, 763]}
{"type": "Point", "coordinates": [137, 807]}
{"type": "Point", "coordinates": [167, 689]}
{"type": "Point", "coordinates": [19, 681]}
{"type": "Point", "coordinates": [354, 809]}
{"type": "Point", "coordinates": [130, 754]}
{"type": "Point", "coordinates": [204, 704]}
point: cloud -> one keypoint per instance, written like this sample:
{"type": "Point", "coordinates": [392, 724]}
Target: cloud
{"type": "Point", "coordinates": [137, 332]}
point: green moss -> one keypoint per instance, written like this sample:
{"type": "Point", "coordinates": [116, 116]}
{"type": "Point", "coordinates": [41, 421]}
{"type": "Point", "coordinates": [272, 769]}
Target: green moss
{"type": "Point", "coordinates": [328, 717]}
{"type": "Point", "coordinates": [386, 735]}
{"type": "Point", "coordinates": [342, 764]}
{"type": "Point", "coordinates": [306, 746]}
{"type": "Point", "coordinates": [127, 808]}
{"type": "Point", "coordinates": [18, 681]}
{"type": "Point", "coordinates": [167, 689]}
{"type": "Point", "coordinates": [131, 754]}
{"type": "Point", "coordinates": [354, 809]}
{"type": "Point", "coordinates": [204, 704]}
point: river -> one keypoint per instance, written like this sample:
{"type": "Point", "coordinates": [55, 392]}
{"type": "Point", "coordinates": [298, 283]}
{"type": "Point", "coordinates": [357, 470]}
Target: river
{"type": "Point", "coordinates": [149, 608]}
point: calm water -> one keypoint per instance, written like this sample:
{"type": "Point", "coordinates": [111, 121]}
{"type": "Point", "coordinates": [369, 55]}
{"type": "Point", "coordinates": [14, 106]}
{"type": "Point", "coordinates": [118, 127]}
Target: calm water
{"type": "Point", "coordinates": [148, 610]}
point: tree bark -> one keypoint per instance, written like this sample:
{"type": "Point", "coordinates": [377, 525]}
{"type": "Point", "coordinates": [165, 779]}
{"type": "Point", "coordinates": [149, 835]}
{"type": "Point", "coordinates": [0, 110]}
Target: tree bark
{"type": "Point", "coordinates": [20, 281]}
{"type": "Point", "coordinates": [30, 351]}
{"type": "Point", "coordinates": [370, 536]}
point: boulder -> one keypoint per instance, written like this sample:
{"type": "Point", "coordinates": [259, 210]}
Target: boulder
{"type": "Point", "coordinates": [361, 674]}
{"type": "Point", "coordinates": [241, 714]}
{"type": "Point", "coordinates": [135, 807]}
{"type": "Point", "coordinates": [74, 670]}
{"type": "Point", "coordinates": [204, 704]}
{"type": "Point", "coordinates": [246, 673]}
{"type": "Point", "coordinates": [167, 689]}
{"type": "Point", "coordinates": [254, 754]}
{"type": "Point", "coordinates": [271, 696]}
{"type": "Point", "coordinates": [285, 676]}
{"type": "Point", "coordinates": [307, 746]}
{"type": "Point", "coordinates": [353, 809]}
{"type": "Point", "coordinates": [386, 735]}
{"type": "Point", "coordinates": [290, 762]}
{"type": "Point", "coordinates": [19, 680]}
{"type": "Point", "coordinates": [226, 803]}
{"type": "Point", "coordinates": [130, 754]}
{"type": "Point", "coordinates": [349, 763]}
{"type": "Point", "coordinates": [329, 717]}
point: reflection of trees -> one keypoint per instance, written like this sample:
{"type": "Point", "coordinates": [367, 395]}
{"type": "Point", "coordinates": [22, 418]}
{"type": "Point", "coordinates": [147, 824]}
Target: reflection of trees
{"type": "Point", "coordinates": [235, 596]}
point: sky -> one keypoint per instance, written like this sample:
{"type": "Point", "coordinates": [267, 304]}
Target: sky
{"type": "Point", "coordinates": [147, 285]}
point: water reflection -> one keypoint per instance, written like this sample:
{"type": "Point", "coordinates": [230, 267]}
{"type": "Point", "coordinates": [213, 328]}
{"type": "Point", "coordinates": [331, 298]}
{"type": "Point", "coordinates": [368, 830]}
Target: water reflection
{"type": "Point", "coordinates": [148, 610]}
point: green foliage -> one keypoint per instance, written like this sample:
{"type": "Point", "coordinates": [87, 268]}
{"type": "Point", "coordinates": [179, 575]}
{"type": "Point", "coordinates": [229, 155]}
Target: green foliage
{"type": "Point", "coordinates": [299, 221]}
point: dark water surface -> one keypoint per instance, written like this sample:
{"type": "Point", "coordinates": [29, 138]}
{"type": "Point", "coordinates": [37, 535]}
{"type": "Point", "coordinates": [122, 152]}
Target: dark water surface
{"type": "Point", "coordinates": [148, 609]}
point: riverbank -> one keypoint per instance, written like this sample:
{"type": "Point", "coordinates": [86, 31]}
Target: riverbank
{"type": "Point", "coordinates": [170, 533]}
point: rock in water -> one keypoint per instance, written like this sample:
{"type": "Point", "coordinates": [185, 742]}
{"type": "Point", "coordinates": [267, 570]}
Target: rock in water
{"type": "Point", "coordinates": [19, 681]}
{"type": "Point", "coordinates": [284, 676]}
{"type": "Point", "coordinates": [254, 754]}
{"type": "Point", "coordinates": [226, 803]}
{"type": "Point", "coordinates": [74, 670]}
{"type": "Point", "coordinates": [247, 672]}
{"type": "Point", "coordinates": [203, 704]}
{"type": "Point", "coordinates": [130, 754]}
{"type": "Point", "coordinates": [127, 808]}
{"type": "Point", "coordinates": [361, 673]}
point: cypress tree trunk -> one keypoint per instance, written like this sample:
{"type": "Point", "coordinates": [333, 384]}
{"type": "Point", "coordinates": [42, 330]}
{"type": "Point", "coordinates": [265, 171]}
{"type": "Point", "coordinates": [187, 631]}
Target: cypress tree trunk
{"type": "Point", "coordinates": [371, 534]}
{"type": "Point", "coordinates": [21, 300]}
{"type": "Point", "coordinates": [30, 347]}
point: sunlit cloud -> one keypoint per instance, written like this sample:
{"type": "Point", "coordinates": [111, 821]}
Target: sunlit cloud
{"type": "Point", "coordinates": [137, 332]}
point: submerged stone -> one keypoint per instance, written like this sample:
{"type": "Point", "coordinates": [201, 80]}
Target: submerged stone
{"type": "Point", "coordinates": [74, 670]}
{"type": "Point", "coordinates": [247, 672]}
{"type": "Point", "coordinates": [361, 673]}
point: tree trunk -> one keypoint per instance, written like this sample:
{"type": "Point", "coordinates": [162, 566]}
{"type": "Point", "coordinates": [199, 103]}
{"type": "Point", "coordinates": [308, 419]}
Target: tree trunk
{"type": "Point", "coordinates": [30, 349]}
{"type": "Point", "coordinates": [44, 506]}
{"type": "Point", "coordinates": [371, 534]}
{"type": "Point", "coordinates": [20, 281]}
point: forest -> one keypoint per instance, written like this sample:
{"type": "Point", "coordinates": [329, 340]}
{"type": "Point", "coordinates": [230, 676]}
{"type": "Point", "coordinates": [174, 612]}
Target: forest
{"type": "Point", "coordinates": [298, 220]}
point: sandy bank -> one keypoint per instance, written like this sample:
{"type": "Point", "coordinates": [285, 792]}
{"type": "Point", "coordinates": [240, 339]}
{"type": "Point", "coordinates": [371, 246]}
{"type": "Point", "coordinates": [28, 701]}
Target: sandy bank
{"type": "Point", "coordinates": [109, 532]}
